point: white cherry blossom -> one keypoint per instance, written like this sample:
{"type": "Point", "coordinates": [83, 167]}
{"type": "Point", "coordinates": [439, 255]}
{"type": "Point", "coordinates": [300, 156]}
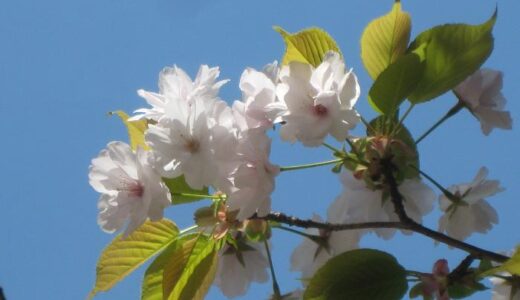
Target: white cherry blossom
{"type": "Point", "coordinates": [502, 290]}
{"type": "Point", "coordinates": [481, 94]}
{"type": "Point", "coordinates": [358, 203]}
{"type": "Point", "coordinates": [309, 256]}
{"type": "Point", "coordinates": [317, 101]}
{"type": "Point", "coordinates": [182, 144]}
{"type": "Point", "coordinates": [233, 277]}
{"type": "Point", "coordinates": [250, 180]}
{"type": "Point", "coordinates": [258, 91]}
{"type": "Point", "coordinates": [471, 213]}
{"type": "Point", "coordinates": [176, 85]}
{"type": "Point", "coordinates": [131, 191]}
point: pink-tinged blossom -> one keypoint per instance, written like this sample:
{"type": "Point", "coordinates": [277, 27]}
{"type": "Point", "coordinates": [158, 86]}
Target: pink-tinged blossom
{"type": "Point", "coordinates": [471, 212]}
{"type": "Point", "coordinates": [250, 178]}
{"type": "Point", "coordinates": [234, 276]}
{"type": "Point", "coordinates": [182, 143]}
{"type": "Point", "coordinates": [358, 203]}
{"type": "Point", "coordinates": [176, 85]}
{"type": "Point", "coordinates": [309, 256]}
{"type": "Point", "coordinates": [317, 101]}
{"type": "Point", "coordinates": [481, 94]}
{"type": "Point", "coordinates": [131, 191]}
{"type": "Point", "coordinates": [258, 92]}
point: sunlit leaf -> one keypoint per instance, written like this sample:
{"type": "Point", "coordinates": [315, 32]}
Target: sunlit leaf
{"type": "Point", "coordinates": [136, 130]}
{"type": "Point", "coordinates": [385, 39]}
{"type": "Point", "coordinates": [191, 269]}
{"type": "Point", "coordinates": [307, 46]}
{"type": "Point", "coordinates": [359, 274]}
{"type": "Point", "coordinates": [395, 83]}
{"type": "Point", "coordinates": [178, 185]}
{"type": "Point", "coordinates": [453, 52]}
{"type": "Point", "coordinates": [124, 255]}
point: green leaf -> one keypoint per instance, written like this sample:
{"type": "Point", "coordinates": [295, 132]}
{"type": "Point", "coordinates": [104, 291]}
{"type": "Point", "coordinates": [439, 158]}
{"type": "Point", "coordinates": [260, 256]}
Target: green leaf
{"type": "Point", "coordinates": [136, 130]}
{"type": "Point", "coordinates": [191, 269]}
{"type": "Point", "coordinates": [124, 255]}
{"type": "Point", "coordinates": [512, 265]}
{"type": "Point", "coordinates": [385, 39]}
{"type": "Point", "coordinates": [395, 83]}
{"type": "Point", "coordinates": [453, 52]}
{"type": "Point", "coordinates": [359, 274]}
{"type": "Point", "coordinates": [307, 46]}
{"type": "Point", "coordinates": [151, 288]}
{"type": "Point", "coordinates": [179, 185]}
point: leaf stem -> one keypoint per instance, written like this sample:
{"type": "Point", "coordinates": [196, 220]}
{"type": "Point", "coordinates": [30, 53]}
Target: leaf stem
{"type": "Point", "coordinates": [276, 288]}
{"type": "Point", "coordinates": [197, 196]}
{"type": "Point", "coordinates": [312, 165]}
{"type": "Point", "coordinates": [334, 149]}
{"type": "Point", "coordinates": [453, 111]}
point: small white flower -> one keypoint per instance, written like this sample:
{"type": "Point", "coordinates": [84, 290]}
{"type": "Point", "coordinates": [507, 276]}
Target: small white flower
{"type": "Point", "coordinates": [309, 256]}
{"type": "Point", "coordinates": [234, 276]}
{"type": "Point", "coordinates": [502, 290]}
{"type": "Point", "coordinates": [258, 92]}
{"type": "Point", "coordinates": [481, 94]}
{"type": "Point", "coordinates": [472, 213]}
{"type": "Point", "coordinates": [182, 144]}
{"type": "Point", "coordinates": [318, 101]}
{"type": "Point", "coordinates": [251, 177]}
{"type": "Point", "coordinates": [358, 203]}
{"type": "Point", "coordinates": [130, 189]}
{"type": "Point", "coordinates": [176, 85]}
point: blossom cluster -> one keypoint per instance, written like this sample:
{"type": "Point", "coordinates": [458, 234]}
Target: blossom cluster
{"type": "Point", "coordinates": [192, 132]}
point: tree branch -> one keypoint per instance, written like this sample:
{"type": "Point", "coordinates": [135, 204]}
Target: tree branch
{"type": "Point", "coordinates": [397, 201]}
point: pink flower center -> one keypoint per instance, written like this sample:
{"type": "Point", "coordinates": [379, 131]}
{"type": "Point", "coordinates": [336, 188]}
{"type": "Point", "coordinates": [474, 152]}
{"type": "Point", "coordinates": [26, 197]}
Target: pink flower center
{"type": "Point", "coordinates": [320, 111]}
{"type": "Point", "coordinates": [133, 188]}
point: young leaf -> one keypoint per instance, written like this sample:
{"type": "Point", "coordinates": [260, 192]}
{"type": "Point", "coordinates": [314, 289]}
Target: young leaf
{"type": "Point", "coordinates": [136, 130]}
{"type": "Point", "coordinates": [191, 269]}
{"type": "Point", "coordinates": [307, 46]}
{"type": "Point", "coordinates": [359, 274]}
{"type": "Point", "coordinates": [151, 288]}
{"type": "Point", "coordinates": [179, 185]}
{"type": "Point", "coordinates": [385, 39]}
{"type": "Point", "coordinates": [395, 83]}
{"type": "Point", "coordinates": [453, 52]}
{"type": "Point", "coordinates": [512, 265]}
{"type": "Point", "coordinates": [123, 256]}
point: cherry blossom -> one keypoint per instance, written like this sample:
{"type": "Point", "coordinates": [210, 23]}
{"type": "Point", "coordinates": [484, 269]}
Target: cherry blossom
{"type": "Point", "coordinates": [317, 101]}
{"type": "Point", "coordinates": [503, 290]}
{"type": "Point", "coordinates": [481, 94]}
{"type": "Point", "coordinates": [131, 191]}
{"type": "Point", "coordinates": [237, 268]}
{"type": "Point", "coordinates": [470, 212]}
{"type": "Point", "coordinates": [358, 203]}
{"type": "Point", "coordinates": [310, 255]}
{"type": "Point", "coordinates": [176, 85]}
{"type": "Point", "coordinates": [250, 181]}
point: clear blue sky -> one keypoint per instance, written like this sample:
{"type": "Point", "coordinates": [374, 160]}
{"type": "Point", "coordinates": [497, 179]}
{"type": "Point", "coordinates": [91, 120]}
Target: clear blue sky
{"type": "Point", "coordinates": [65, 64]}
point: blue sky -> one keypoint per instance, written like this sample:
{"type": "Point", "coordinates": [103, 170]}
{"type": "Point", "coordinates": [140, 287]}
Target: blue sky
{"type": "Point", "coordinates": [65, 64]}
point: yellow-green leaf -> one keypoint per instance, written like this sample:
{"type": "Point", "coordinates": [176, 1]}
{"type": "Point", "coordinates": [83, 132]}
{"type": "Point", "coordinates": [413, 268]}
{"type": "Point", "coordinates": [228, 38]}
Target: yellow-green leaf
{"type": "Point", "coordinates": [307, 46]}
{"type": "Point", "coordinates": [178, 185]}
{"type": "Point", "coordinates": [191, 269]}
{"type": "Point", "coordinates": [124, 255]}
{"type": "Point", "coordinates": [136, 130]}
{"type": "Point", "coordinates": [152, 285]}
{"type": "Point", "coordinates": [385, 39]}
{"type": "Point", "coordinates": [512, 265]}
{"type": "Point", "coordinates": [453, 52]}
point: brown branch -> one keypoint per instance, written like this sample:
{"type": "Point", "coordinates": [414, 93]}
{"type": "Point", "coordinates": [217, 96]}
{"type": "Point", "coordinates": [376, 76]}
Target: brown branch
{"type": "Point", "coordinates": [397, 201]}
